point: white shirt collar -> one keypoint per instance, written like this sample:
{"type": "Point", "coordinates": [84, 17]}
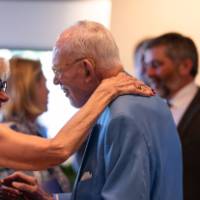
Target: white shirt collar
{"type": "Point", "coordinates": [182, 100]}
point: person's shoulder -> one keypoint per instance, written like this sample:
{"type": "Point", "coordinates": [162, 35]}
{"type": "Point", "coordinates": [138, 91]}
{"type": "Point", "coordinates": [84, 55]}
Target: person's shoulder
{"type": "Point", "coordinates": [136, 103]}
{"type": "Point", "coordinates": [140, 109]}
{"type": "Point", "coordinates": [136, 99]}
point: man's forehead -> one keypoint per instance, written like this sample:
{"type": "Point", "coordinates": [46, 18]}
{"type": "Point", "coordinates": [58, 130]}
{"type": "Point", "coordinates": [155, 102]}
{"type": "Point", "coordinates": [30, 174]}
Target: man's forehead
{"type": "Point", "coordinates": [62, 57]}
{"type": "Point", "coordinates": [154, 52]}
{"type": "Point", "coordinates": [58, 56]}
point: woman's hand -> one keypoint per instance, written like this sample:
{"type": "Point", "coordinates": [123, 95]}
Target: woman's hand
{"type": "Point", "coordinates": [123, 83]}
{"type": "Point", "coordinates": [10, 193]}
{"type": "Point", "coordinates": [26, 186]}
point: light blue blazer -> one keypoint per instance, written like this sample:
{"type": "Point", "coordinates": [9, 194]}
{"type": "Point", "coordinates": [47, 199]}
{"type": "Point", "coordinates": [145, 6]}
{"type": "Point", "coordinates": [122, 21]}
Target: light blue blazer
{"type": "Point", "coordinates": [133, 153]}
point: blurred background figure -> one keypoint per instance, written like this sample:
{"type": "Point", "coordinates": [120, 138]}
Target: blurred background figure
{"type": "Point", "coordinates": [171, 62]}
{"type": "Point", "coordinates": [28, 100]}
{"type": "Point", "coordinates": [4, 72]}
{"type": "Point", "coordinates": [138, 60]}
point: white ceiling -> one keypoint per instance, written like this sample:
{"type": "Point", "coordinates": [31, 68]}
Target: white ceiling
{"type": "Point", "coordinates": [36, 24]}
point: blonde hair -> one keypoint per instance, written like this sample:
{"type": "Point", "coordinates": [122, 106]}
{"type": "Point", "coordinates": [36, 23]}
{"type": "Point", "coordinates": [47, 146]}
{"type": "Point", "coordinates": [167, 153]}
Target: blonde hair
{"type": "Point", "coordinates": [22, 83]}
{"type": "Point", "coordinates": [4, 69]}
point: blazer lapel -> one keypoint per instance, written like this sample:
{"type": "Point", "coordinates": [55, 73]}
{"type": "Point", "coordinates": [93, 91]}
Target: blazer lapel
{"type": "Point", "coordinates": [90, 140]}
{"type": "Point", "coordinates": [191, 111]}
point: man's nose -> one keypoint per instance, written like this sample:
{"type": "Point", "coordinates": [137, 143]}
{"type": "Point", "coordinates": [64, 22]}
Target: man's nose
{"type": "Point", "coordinates": [56, 80]}
{"type": "Point", "coordinates": [3, 97]}
{"type": "Point", "coordinates": [47, 90]}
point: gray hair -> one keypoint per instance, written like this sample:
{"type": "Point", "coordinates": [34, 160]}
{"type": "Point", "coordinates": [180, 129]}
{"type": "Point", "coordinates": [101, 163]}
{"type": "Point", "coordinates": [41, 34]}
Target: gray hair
{"type": "Point", "coordinates": [178, 47]}
{"type": "Point", "coordinates": [90, 39]}
{"type": "Point", "coordinates": [4, 69]}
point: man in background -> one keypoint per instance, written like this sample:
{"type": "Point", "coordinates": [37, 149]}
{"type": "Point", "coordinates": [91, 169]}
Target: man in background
{"type": "Point", "coordinates": [138, 60]}
{"type": "Point", "coordinates": [171, 62]}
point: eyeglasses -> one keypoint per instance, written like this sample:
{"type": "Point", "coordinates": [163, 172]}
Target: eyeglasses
{"type": "Point", "coordinates": [3, 86]}
{"type": "Point", "coordinates": [58, 72]}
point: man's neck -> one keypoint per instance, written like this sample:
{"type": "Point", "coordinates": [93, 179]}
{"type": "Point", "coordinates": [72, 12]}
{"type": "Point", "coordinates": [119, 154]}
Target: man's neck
{"type": "Point", "coordinates": [103, 74]}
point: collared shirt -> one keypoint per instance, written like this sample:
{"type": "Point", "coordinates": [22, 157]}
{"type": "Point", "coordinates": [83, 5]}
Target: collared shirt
{"type": "Point", "coordinates": [180, 102]}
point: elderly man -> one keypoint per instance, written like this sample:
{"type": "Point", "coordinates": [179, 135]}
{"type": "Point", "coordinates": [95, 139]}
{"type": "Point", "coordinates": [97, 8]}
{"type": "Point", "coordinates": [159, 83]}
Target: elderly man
{"type": "Point", "coordinates": [171, 62]}
{"type": "Point", "coordinates": [133, 151]}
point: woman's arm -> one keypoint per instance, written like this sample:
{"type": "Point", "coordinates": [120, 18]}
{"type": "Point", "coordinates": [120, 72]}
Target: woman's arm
{"type": "Point", "coordinates": [26, 152]}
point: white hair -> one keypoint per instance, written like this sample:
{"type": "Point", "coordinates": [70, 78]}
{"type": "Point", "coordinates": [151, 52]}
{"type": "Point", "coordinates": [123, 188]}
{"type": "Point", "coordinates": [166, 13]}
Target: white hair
{"type": "Point", "coordinates": [4, 69]}
{"type": "Point", "coordinates": [91, 39]}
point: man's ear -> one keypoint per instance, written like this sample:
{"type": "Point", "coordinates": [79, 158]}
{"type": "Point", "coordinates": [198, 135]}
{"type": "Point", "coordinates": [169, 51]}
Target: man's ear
{"type": "Point", "coordinates": [186, 67]}
{"type": "Point", "coordinates": [89, 69]}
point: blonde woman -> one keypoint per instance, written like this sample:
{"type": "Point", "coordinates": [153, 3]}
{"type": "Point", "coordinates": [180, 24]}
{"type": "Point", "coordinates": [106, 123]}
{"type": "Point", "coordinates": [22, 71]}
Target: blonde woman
{"type": "Point", "coordinates": [28, 100]}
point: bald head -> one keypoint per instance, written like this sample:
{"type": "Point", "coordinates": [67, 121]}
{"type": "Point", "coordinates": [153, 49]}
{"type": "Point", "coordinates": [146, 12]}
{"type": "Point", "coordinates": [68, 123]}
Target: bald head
{"type": "Point", "coordinates": [4, 69]}
{"type": "Point", "coordinates": [90, 39]}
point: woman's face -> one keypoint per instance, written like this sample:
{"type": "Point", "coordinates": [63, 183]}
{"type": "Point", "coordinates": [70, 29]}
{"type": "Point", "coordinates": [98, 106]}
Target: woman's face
{"type": "Point", "coordinates": [3, 96]}
{"type": "Point", "coordinates": [42, 94]}
{"type": "Point", "coordinates": [4, 73]}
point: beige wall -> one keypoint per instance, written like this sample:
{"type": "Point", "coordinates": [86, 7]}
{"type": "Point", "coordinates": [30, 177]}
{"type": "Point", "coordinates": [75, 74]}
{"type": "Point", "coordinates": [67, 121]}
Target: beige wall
{"type": "Point", "coordinates": [132, 20]}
